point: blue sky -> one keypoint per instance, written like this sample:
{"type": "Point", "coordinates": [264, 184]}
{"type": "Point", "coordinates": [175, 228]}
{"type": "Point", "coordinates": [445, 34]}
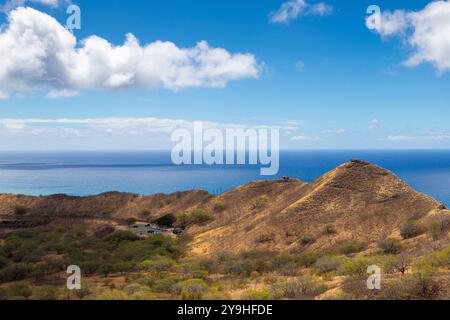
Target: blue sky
{"type": "Point", "coordinates": [325, 79]}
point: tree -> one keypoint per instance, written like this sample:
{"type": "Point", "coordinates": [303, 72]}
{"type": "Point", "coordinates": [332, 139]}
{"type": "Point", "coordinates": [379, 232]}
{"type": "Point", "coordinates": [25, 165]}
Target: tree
{"type": "Point", "coordinates": [46, 293]}
{"type": "Point", "coordinates": [193, 289]}
{"type": "Point", "coordinates": [20, 210]}
{"type": "Point", "coordinates": [411, 229]}
{"type": "Point", "coordinates": [390, 246]}
{"type": "Point", "coordinates": [19, 290]}
{"type": "Point", "coordinates": [400, 263]}
{"type": "Point", "coordinates": [131, 221]}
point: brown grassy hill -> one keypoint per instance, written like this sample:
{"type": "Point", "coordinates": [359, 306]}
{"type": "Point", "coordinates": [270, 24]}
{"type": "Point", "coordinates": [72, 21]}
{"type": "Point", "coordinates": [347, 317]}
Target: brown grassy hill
{"type": "Point", "coordinates": [357, 200]}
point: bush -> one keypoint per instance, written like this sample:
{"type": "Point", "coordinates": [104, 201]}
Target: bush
{"type": "Point", "coordinates": [159, 263]}
{"type": "Point", "coordinates": [400, 263]}
{"type": "Point", "coordinates": [120, 236]}
{"type": "Point", "coordinates": [417, 286]}
{"type": "Point", "coordinates": [14, 272]}
{"type": "Point", "coordinates": [412, 229]}
{"type": "Point", "coordinates": [193, 289]}
{"type": "Point", "coordinates": [131, 221]}
{"type": "Point", "coordinates": [19, 290]}
{"type": "Point", "coordinates": [3, 262]}
{"type": "Point", "coordinates": [265, 237]}
{"type": "Point", "coordinates": [305, 287]}
{"type": "Point", "coordinates": [437, 259]}
{"type": "Point", "coordinates": [306, 259]}
{"type": "Point", "coordinates": [356, 267]}
{"type": "Point", "coordinates": [256, 295]}
{"type": "Point", "coordinates": [167, 220]}
{"type": "Point", "coordinates": [260, 203]}
{"type": "Point", "coordinates": [145, 213]}
{"type": "Point", "coordinates": [167, 284]}
{"type": "Point", "coordinates": [196, 216]}
{"type": "Point", "coordinates": [21, 210]}
{"type": "Point", "coordinates": [329, 229]}
{"type": "Point", "coordinates": [220, 206]}
{"type": "Point", "coordinates": [46, 293]}
{"type": "Point", "coordinates": [350, 247]}
{"type": "Point", "coordinates": [106, 213]}
{"type": "Point", "coordinates": [328, 264]}
{"type": "Point", "coordinates": [438, 226]}
{"type": "Point", "coordinates": [390, 246]}
{"type": "Point", "coordinates": [306, 240]}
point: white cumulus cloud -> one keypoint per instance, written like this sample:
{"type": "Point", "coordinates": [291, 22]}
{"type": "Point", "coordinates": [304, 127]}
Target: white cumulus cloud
{"type": "Point", "coordinates": [38, 53]}
{"type": "Point", "coordinates": [426, 32]}
{"type": "Point", "coordinates": [293, 9]}
{"type": "Point", "coordinates": [11, 4]}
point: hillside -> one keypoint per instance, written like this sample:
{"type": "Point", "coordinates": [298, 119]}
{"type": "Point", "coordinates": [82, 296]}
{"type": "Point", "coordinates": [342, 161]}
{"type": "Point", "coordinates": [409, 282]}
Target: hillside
{"type": "Point", "coordinates": [281, 239]}
{"type": "Point", "coordinates": [358, 200]}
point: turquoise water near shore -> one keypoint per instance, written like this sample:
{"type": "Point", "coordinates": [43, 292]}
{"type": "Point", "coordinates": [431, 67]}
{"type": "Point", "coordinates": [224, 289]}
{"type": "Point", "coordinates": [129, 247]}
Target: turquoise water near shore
{"type": "Point", "coordinates": [88, 173]}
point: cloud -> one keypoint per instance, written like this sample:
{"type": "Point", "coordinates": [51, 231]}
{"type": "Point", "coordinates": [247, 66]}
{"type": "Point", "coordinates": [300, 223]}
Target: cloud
{"type": "Point", "coordinates": [12, 4]}
{"type": "Point", "coordinates": [38, 53]}
{"type": "Point", "coordinates": [305, 138]}
{"type": "Point", "coordinates": [295, 8]}
{"type": "Point", "coordinates": [401, 138]}
{"type": "Point", "coordinates": [118, 124]}
{"type": "Point", "coordinates": [424, 135]}
{"type": "Point", "coordinates": [300, 65]}
{"type": "Point", "coordinates": [374, 124]}
{"type": "Point", "coordinates": [426, 32]}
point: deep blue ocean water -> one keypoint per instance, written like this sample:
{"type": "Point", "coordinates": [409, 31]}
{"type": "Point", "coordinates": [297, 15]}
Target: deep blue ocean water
{"type": "Point", "coordinates": [88, 173]}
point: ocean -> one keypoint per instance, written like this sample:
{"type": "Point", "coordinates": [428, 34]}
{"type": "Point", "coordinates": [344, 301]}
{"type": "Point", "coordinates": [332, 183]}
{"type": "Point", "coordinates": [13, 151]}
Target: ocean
{"type": "Point", "coordinates": [89, 173]}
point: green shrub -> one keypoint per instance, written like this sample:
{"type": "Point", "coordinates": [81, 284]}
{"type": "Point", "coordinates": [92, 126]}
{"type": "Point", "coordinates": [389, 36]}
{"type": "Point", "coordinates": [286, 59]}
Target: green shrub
{"type": "Point", "coordinates": [167, 284]}
{"type": "Point", "coordinates": [418, 286]}
{"type": "Point", "coordinates": [305, 287]}
{"type": "Point", "coordinates": [18, 271]}
{"type": "Point", "coordinates": [307, 239]}
{"type": "Point", "coordinates": [255, 295]}
{"type": "Point", "coordinates": [120, 236]}
{"type": "Point", "coordinates": [350, 247]}
{"type": "Point", "coordinates": [45, 293]}
{"type": "Point", "coordinates": [167, 220]}
{"type": "Point", "coordinates": [145, 213]}
{"type": "Point", "coordinates": [106, 212]}
{"type": "Point", "coordinates": [265, 237]}
{"type": "Point", "coordinates": [3, 262]}
{"type": "Point", "coordinates": [436, 259]}
{"type": "Point", "coordinates": [306, 259]}
{"type": "Point", "coordinates": [220, 205]}
{"type": "Point", "coordinates": [158, 263]}
{"type": "Point", "coordinates": [19, 290]}
{"type": "Point", "coordinates": [438, 226]}
{"type": "Point", "coordinates": [356, 267]}
{"type": "Point", "coordinates": [260, 203]}
{"type": "Point", "coordinates": [400, 263]}
{"type": "Point", "coordinates": [327, 264]}
{"type": "Point", "coordinates": [21, 210]}
{"type": "Point", "coordinates": [196, 216]}
{"type": "Point", "coordinates": [411, 229]}
{"type": "Point", "coordinates": [329, 229]}
{"type": "Point", "coordinates": [131, 221]}
{"type": "Point", "coordinates": [193, 289]}
{"type": "Point", "coordinates": [390, 246]}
